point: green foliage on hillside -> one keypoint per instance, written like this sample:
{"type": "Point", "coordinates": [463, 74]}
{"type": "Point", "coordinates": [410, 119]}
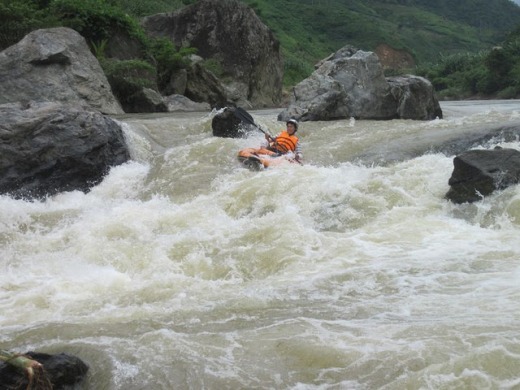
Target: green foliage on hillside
{"type": "Point", "coordinates": [492, 73]}
{"type": "Point", "coordinates": [450, 40]}
{"type": "Point", "coordinates": [97, 21]}
{"type": "Point", "coordinates": [18, 18]}
{"type": "Point", "coordinates": [139, 8]}
{"type": "Point", "coordinates": [309, 30]}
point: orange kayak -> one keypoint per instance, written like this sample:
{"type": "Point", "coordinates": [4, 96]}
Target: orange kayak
{"type": "Point", "coordinates": [261, 158]}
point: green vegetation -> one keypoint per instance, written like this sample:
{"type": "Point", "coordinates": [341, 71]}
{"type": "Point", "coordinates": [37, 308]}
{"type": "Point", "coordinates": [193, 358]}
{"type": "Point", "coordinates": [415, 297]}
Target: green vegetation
{"type": "Point", "coordinates": [167, 58]}
{"type": "Point", "coordinates": [309, 30]}
{"type": "Point", "coordinates": [18, 18]}
{"type": "Point", "coordinates": [492, 73]}
{"type": "Point", "coordinates": [140, 8]}
{"type": "Point", "coordinates": [95, 20]}
{"type": "Point", "coordinates": [98, 21]}
{"type": "Point", "coordinates": [451, 41]}
{"type": "Point", "coordinates": [129, 76]}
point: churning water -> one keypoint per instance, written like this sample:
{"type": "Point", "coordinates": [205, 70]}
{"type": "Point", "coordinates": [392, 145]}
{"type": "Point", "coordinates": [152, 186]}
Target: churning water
{"type": "Point", "coordinates": [183, 270]}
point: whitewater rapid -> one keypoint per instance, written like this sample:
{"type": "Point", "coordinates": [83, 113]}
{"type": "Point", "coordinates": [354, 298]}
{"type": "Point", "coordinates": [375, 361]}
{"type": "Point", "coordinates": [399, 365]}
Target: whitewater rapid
{"type": "Point", "coordinates": [184, 270]}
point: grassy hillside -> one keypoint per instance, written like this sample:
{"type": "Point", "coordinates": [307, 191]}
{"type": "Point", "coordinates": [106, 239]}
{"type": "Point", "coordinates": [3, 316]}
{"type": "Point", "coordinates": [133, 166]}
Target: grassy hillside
{"type": "Point", "coordinates": [309, 30]}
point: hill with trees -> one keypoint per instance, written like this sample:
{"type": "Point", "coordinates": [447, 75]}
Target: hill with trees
{"type": "Point", "coordinates": [440, 35]}
{"type": "Point", "coordinates": [309, 30]}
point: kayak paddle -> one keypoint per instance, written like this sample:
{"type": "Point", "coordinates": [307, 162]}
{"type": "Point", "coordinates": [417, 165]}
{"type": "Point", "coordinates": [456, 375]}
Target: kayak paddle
{"type": "Point", "coordinates": [243, 115]}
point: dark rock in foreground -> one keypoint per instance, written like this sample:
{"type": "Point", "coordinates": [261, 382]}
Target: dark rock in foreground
{"type": "Point", "coordinates": [46, 148]}
{"type": "Point", "coordinates": [62, 370]}
{"type": "Point", "coordinates": [478, 173]}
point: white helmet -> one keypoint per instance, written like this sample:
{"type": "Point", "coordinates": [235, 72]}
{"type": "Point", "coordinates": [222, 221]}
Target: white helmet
{"type": "Point", "coordinates": [294, 122]}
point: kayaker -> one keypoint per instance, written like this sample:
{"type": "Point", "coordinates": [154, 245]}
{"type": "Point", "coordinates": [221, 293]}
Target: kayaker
{"type": "Point", "coordinates": [286, 141]}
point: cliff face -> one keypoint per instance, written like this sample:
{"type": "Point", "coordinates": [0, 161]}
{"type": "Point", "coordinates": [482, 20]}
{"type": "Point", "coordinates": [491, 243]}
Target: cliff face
{"type": "Point", "coordinates": [230, 33]}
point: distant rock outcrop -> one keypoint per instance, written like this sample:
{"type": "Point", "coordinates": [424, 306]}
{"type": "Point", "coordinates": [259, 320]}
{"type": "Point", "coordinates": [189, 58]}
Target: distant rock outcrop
{"type": "Point", "coordinates": [478, 173]}
{"type": "Point", "coordinates": [47, 148]}
{"type": "Point", "coordinates": [395, 59]}
{"type": "Point", "coordinates": [182, 103]}
{"type": "Point", "coordinates": [351, 83]}
{"type": "Point", "coordinates": [55, 65]}
{"type": "Point", "coordinates": [230, 34]}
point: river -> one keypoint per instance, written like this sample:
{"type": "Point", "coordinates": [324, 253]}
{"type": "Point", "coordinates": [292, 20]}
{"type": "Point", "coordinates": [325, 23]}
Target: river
{"type": "Point", "coordinates": [183, 270]}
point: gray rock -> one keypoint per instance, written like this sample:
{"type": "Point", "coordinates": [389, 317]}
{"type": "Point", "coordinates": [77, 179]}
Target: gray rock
{"type": "Point", "coordinates": [478, 173]}
{"type": "Point", "coordinates": [182, 103]}
{"type": "Point", "coordinates": [55, 65]}
{"type": "Point", "coordinates": [46, 148]}
{"type": "Point", "coordinates": [145, 100]}
{"type": "Point", "coordinates": [346, 85]}
{"type": "Point", "coordinates": [203, 86]}
{"type": "Point", "coordinates": [415, 98]}
{"type": "Point", "coordinates": [351, 83]}
{"type": "Point", "coordinates": [177, 83]}
{"type": "Point", "coordinates": [230, 33]}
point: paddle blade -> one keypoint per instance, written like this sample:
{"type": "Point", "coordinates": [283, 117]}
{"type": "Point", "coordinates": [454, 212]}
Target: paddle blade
{"type": "Point", "coordinates": [243, 115]}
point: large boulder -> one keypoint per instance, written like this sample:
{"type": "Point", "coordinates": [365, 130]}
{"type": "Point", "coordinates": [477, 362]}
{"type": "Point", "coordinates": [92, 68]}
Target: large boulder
{"type": "Point", "coordinates": [231, 34]}
{"type": "Point", "coordinates": [351, 83]}
{"type": "Point", "coordinates": [478, 173]}
{"type": "Point", "coordinates": [46, 148]}
{"type": "Point", "coordinates": [55, 65]}
{"type": "Point", "coordinates": [63, 371]}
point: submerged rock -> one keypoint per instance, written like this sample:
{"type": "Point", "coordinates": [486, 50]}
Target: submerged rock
{"type": "Point", "coordinates": [478, 173]}
{"type": "Point", "coordinates": [62, 370]}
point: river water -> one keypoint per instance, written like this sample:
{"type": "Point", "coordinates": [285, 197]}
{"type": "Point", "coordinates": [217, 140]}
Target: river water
{"type": "Point", "coordinates": [183, 270]}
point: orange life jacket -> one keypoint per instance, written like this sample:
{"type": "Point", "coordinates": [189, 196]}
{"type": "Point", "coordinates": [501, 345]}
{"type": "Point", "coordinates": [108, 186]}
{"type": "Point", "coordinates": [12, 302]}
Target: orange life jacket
{"type": "Point", "coordinates": [285, 142]}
